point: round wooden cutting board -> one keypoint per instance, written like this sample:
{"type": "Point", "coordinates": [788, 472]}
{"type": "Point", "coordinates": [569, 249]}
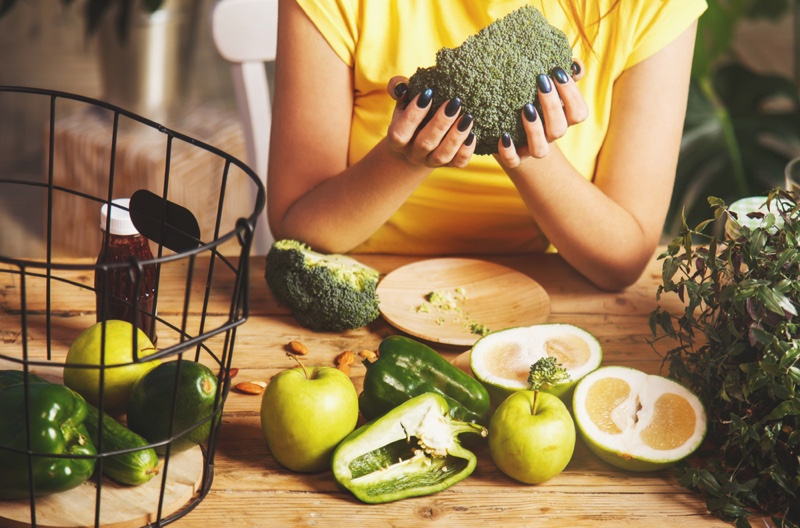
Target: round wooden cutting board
{"type": "Point", "coordinates": [476, 292]}
{"type": "Point", "coordinates": [120, 506]}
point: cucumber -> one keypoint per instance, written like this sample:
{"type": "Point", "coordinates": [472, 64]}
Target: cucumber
{"type": "Point", "coordinates": [132, 468]}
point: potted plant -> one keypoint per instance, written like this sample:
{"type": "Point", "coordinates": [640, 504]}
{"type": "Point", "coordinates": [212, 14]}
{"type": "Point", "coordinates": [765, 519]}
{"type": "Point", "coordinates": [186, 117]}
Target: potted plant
{"type": "Point", "coordinates": [737, 347]}
{"type": "Point", "coordinates": [95, 11]}
{"type": "Point", "coordinates": [742, 127]}
{"type": "Point", "coordinates": [144, 49]}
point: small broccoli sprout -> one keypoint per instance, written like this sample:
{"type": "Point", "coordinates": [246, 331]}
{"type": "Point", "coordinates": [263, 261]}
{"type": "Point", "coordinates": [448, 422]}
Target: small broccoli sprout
{"type": "Point", "coordinates": [494, 73]}
{"type": "Point", "coordinates": [547, 372]}
{"type": "Point", "coordinates": [324, 292]}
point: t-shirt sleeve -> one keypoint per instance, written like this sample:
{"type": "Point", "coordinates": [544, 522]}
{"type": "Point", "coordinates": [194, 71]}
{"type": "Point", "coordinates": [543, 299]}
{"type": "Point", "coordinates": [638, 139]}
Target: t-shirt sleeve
{"type": "Point", "coordinates": [337, 21]}
{"type": "Point", "coordinates": [661, 23]}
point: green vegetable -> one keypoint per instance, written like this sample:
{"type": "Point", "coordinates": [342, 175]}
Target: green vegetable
{"type": "Point", "coordinates": [412, 451]}
{"type": "Point", "coordinates": [494, 73]}
{"type": "Point", "coordinates": [547, 372]}
{"type": "Point", "coordinates": [54, 414]}
{"type": "Point", "coordinates": [196, 409]}
{"type": "Point", "coordinates": [406, 368]}
{"type": "Point", "coordinates": [135, 464]}
{"type": "Point", "coordinates": [737, 348]}
{"type": "Point", "coordinates": [324, 292]}
{"type": "Point", "coordinates": [16, 377]}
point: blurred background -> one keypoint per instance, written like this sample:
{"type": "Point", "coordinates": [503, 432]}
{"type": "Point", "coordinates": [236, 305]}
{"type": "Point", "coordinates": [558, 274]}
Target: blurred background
{"type": "Point", "coordinates": [742, 128]}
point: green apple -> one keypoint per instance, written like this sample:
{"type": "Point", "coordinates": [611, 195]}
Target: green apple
{"type": "Point", "coordinates": [531, 436]}
{"type": "Point", "coordinates": [305, 414]}
{"type": "Point", "coordinates": [121, 371]}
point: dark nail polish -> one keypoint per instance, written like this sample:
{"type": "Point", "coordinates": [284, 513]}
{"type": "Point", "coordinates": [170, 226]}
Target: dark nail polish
{"type": "Point", "coordinates": [506, 139]}
{"type": "Point", "coordinates": [544, 84]}
{"type": "Point", "coordinates": [400, 89]}
{"type": "Point", "coordinates": [576, 68]}
{"type": "Point", "coordinates": [560, 75]}
{"type": "Point", "coordinates": [464, 122]}
{"type": "Point", "coordinates": [452, 107]}
{"type": "Point", "coordinates": [530, 112]}
{"type": "Point", "coordinates": [470, 138]}
{"type": "Point", "coordinates": [425, 98]}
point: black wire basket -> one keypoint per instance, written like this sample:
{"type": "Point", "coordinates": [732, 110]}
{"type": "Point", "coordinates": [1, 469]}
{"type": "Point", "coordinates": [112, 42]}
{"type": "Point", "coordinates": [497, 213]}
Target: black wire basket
{"type": "Point", "coordinates": [48, 296]}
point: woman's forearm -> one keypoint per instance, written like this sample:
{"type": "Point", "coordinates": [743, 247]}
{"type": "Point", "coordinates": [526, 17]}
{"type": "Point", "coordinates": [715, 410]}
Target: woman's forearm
{"type": "Point", "coordinates": [592, 232]}
{"type": "Point", "coordinates": [344, 210]}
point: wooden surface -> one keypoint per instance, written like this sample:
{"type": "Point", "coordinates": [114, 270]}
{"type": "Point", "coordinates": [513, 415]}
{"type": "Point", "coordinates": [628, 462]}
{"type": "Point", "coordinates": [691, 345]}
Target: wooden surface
{"type": "Point", "coordinates": [475, 292]}
{"type": "Point", "coordinates": [121, 506]}
{"type": "Point", "coordinates": [251, 490]}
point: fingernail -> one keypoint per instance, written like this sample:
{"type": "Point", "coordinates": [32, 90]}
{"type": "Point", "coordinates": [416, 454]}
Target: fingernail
{"type": "Point", "coordinates": [425, 98]}
{"type": "Point", "coordinates": [470, 138]}
{"type": "Point", "coordinates": [560, 75]}
{"type": "Point", "coordinates": [452, 107]}
{"type": "Point", "coordinates": [576, 68]}
{"type": "Point", "coordinates": [400, 90]}
{"type": "Point", "coordinates": [506, 139]}
{"type": "Point", "coordinates": [543, 82]}
{"type": "Point", "coordinates": [530, 112]}
{"type": "Point", "coordinates": [464, 122]}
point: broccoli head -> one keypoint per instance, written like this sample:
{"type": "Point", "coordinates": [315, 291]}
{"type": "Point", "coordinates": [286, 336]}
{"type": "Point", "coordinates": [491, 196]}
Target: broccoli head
{"type": "Point", "coordinates": [324, 292]}
{"type": "Point", "coordinates": [494, 73]}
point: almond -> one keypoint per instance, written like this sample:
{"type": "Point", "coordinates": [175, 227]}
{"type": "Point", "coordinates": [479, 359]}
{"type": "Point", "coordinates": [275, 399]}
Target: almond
{"type": "Point", "coordinates": [345, 358]}
{"type": "Point", "coordinates": [344, 367]}
{"type": "Point", "coordinates": [298, 348]}
{"type": "Point", "coordinates": [368, 355]}
{"type": "Point", "coordinates": [250, 387]}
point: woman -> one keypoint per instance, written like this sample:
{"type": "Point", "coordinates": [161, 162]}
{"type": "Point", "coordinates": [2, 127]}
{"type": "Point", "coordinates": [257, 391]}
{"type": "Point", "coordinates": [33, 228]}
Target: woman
{"type": "Point", "coordinates": [349, 171]}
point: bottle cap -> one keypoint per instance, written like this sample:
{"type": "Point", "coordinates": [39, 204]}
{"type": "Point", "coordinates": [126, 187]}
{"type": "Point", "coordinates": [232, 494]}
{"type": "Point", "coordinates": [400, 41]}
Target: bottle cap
{"type": "Point", "coordinates": [121, 223]}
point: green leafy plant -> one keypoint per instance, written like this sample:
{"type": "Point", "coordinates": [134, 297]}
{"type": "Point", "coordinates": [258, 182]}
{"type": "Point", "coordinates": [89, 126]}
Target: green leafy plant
{"type": "Point", "coordinates": [742, 127]}
{"type": "Point", "coordinates": [738, 349]}
{"type": "Point", "coordinates": [95, 11]}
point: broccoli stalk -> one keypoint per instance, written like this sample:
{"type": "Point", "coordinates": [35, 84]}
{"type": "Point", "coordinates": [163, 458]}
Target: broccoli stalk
{"type": "Point", "coordinates": [494, 73]}
{"type": "Point", "coordinates": [547, 372]}
{"type": "Point", "coordinates": [324, 292]}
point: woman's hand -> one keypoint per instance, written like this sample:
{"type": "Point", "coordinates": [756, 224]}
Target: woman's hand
{"type": "Point", "coordinates": [447, 139]}
{"type": "Point", "coordinates": [562, 106]}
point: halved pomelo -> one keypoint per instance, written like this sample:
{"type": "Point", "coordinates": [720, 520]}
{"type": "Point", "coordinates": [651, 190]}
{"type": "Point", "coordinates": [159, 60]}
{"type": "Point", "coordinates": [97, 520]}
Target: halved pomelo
{"type": "Point", "coordinates": [502, 360]}
{"type": "Point", "coordinates": [637, 421]}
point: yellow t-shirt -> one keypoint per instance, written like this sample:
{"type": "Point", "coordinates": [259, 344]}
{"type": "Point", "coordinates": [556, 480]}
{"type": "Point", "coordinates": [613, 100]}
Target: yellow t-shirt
{"type": "Point", "coordinates": [477, 209]}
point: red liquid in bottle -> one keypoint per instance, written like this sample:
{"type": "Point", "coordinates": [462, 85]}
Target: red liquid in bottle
{"type": "Point", "coordinates": [117, 294]}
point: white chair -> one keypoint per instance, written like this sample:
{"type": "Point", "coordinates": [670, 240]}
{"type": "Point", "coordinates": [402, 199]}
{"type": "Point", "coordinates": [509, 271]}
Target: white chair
{"type": "Point", "coordinates": [245, 34]}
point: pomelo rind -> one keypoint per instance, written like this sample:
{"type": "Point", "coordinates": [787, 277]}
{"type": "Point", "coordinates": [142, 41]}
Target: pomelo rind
{"type": "Point", "coordinates": [534, 351]}
{"type": "Point", "coordinates": [645, 459]}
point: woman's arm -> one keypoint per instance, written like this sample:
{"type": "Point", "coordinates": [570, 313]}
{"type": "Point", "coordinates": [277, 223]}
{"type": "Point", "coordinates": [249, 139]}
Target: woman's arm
{"type": "Point", "coordinates": [313, 194]}
{"type": "Point", "coordinates": [609, 229]}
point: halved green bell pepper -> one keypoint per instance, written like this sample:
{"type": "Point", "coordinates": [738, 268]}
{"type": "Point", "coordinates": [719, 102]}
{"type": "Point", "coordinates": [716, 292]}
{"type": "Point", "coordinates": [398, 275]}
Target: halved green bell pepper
{"type": "Point", "coordinates": [411, 451]}
{"type": "Point", "coordinates": [55, 414]}
{"type": "Point", "coordinates": [406, 368]}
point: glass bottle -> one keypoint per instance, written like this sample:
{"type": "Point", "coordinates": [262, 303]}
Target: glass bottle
{"type": "Point", "coordinates": [115, 287]}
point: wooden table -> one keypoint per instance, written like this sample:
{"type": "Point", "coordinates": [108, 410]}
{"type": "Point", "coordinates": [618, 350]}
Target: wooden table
{"type": "Point", "coordinates": [251, 490]}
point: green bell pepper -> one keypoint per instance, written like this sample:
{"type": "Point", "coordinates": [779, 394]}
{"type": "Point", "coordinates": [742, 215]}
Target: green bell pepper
{"type": "Point", "coordinates": [55, 415]}
{"type": "Point", "coordinates": [406, 368]}
{"type": "Point", "coordinates": [412, 450]}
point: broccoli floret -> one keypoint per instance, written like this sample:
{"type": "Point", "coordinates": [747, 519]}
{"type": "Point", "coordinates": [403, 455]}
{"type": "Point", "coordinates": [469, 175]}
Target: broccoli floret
{"type": "Point", "coordinates": [547, 372]}
{"type": "Point", "coordinates": [494, 73]}
{"type": "Point", "coordinates": [326, 293]}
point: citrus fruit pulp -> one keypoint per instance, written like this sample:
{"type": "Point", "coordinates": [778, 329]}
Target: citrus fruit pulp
{"type": "Point", "coordinates": [637, 421]}
{"type": "Point", "coordinates": [502, 360]}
